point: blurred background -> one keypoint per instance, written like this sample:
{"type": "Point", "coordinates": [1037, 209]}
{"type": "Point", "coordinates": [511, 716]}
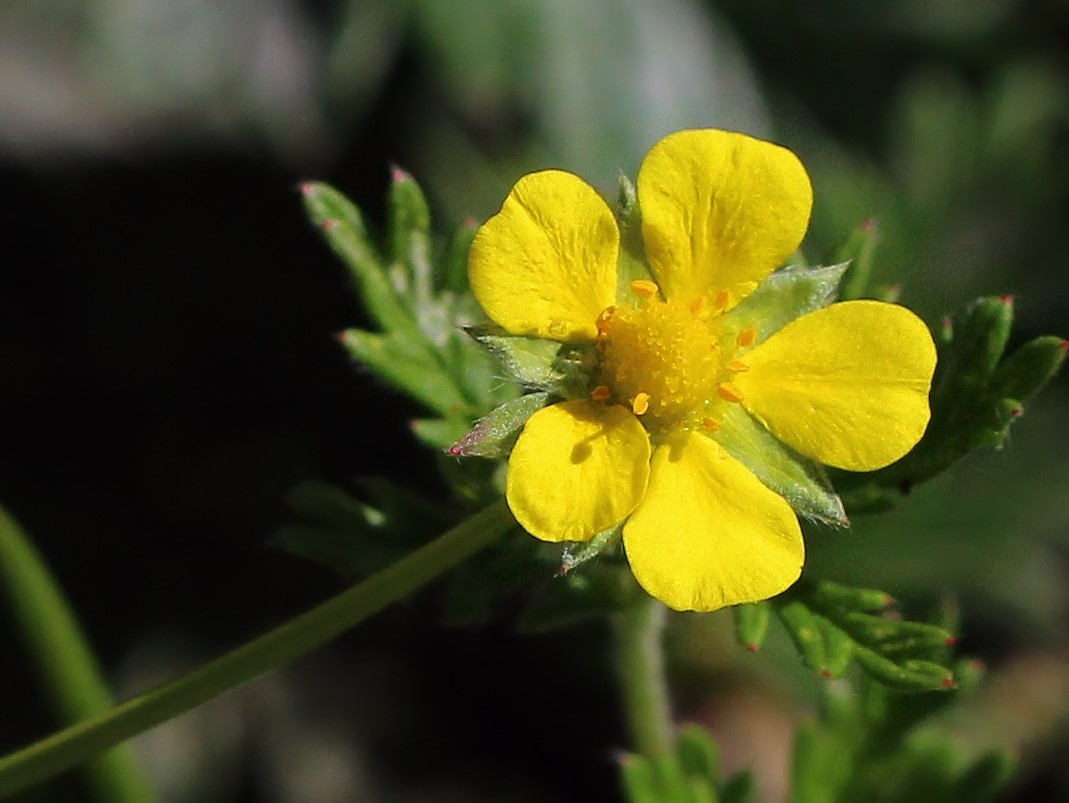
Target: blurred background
{"type": "Point", "coordinates": [169, 368]}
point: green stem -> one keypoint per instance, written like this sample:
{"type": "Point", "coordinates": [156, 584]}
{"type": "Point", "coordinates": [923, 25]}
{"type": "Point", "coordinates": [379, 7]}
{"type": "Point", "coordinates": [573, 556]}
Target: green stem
{"type": "Point", "coordinates": [640, 662]}
{"type": "Point", "coordinates": [70, 747]}
{"type": "Point", "coordinates": [64, 661]}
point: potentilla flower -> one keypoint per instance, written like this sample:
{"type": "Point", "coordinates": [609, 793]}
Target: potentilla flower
{"type": "Point", "coordinates": [692, 365]}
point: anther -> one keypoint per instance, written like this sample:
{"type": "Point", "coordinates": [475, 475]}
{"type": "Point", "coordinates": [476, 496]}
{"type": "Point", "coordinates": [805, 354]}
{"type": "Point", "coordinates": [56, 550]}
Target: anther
{"type": "Point", "coordinates": [722, 299]}
{"type": "Point", "coordinates": [644, 288]}
{"type": "Point", "coordinates": [728, 392]}
{"type": "Point", "coordinates": [737, 366]}
{"type": "Point", "coordinates": [602, 323]}
{"type": "Point", "coordinates": [697, 305]}
{"type": "Point", "coordinates": [711, 424]}
{"type": "Point", "coordinates": [641, 403]}
{"type": "Point", "coordinates": [600, 393]}
{"type": "Point", "coordinates": [746, 338]}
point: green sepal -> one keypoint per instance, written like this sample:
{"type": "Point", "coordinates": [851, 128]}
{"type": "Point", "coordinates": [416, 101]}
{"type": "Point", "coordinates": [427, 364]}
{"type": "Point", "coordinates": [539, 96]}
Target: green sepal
{"type": "Point", "coordinates": [409, 230]}
{"type": "Point", "coordinates": [495, 434]}
{"type": "Point", "coordinates": [575, 555]}
{"type": "Point", "coordinates": [859, 252]}
{"type": "Point", "coordinates": [803, 483]}
{"type": "Point", "coordinates": [783, 296]}
{"type": "Point", "coordinates": [531, 361]}
{"type": "Point", "coordinates": [751, 624]}
{"type": "Point", "coordinates": [408, 367]}
{"type": "Point", "coordinates": [631, 264]}
{"type": "Point", "coordinates": [1030, 367]}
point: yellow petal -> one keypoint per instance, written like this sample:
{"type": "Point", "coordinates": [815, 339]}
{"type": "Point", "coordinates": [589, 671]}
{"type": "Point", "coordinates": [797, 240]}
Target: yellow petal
{"type": "Point", "coordinates": [708, 533]}
{"type": "Point", "coordinates": [577, 469]}
{"type": "Point", "coordinates": [720, 211]}
{"type": "Point", "coordinates": [847, 384]}
{"type": "Point", "coordinates": [545, 265]}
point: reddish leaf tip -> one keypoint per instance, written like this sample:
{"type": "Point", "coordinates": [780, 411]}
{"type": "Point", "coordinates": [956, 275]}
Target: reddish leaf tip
{"type": "Point", "coordinates": [868, 224]}
{"type": "Point", "coordinates": [306, 187]}
{"type": "Point", "coordinates": [825, 673]}
{"type": "Point", "coordinates": [1064, 345]}
{"type": "Point", "coordinates": [888, 600]}
{"type": "Point", "coordinates": [329, 224]}
{"type": "Point", "coordinates": [1017, 412]}
{"type": "Point", "coordinates": [398, 175]}
{"type": "Point", "coordinates": [951, 641]}
{"type": "Point", "coordinates": [948, 682]}
{"type": "Point", "coordinates": [470, 222]}
{"type": "Point", "coordinates": [752, 647]}
{"type": "Point", "coordinates": [1006, 299]}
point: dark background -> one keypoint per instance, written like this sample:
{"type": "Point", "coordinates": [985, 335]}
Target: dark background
{"type": "Point", "coordinates": [167, 319]}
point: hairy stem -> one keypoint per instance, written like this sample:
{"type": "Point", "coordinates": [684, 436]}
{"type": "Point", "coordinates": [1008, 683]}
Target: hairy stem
{"type": "Point", "coordinates": [72, 746]}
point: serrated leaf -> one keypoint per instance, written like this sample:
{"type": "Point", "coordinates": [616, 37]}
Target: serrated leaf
{"type": "Point", "coordinates": [751, 624]}
{"type": "Point", "coordinates": [410, 236]}
{"type": "Point", "coordinates": [859, 252]}
{"type": "Point", "coordinates": [826, 594]}
{"type": "Point", "coordinates": [341, 224]}
{"type": "Point", "coordinates": [803, 483]}
{"type": "Point", "coordinates": [495, 434]}
{"type": "Point", "coordinates": [454, 264]}
{"type": "Point", "coordinates": [1029, 368]}
{"type": "Point", "coordinates": [408, 368]}
{"type": "Point", "coordinates": [438, 433]}
{"type": "Point", "coordinates": [910, 676]}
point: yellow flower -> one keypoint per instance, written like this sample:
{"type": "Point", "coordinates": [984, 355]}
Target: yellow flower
{"type": "Point", "coordinates": [679, 366]}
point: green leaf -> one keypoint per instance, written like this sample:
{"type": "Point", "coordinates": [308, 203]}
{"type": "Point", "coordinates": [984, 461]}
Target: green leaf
{"type": "Point", "coordinates": [438, 433]}
{"type": "Point", "coordinates": [976, 396]}
{"type": "Point", "coordinates": [859, 252]}
{"type": "Point", "coordinates": [740, 789]}
{"type": "Point", "coordinates": [984, 779]}
{"type": "Point", "coordinates": [343, 228]}
{"type": "Point", "coordinates": [803, 483]}
{"type": "Point", "coordinates": [454, 263]}
{"type": "Point", "coordinates": [1029, 368]}
{"type": "Point", "coordinates": [830, 625]}
{"type": "Point", "coordinates": [409, 230]}
{"type": "Point", "coordinates": [751, 624]}
{"type": "Point", "coordinates": [407, 367]}
{"type": "Point", "coordinates": [495, 434]}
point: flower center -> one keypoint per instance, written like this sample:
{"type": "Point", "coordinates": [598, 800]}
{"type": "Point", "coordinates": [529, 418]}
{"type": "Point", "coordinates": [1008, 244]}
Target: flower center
{"type": "Point", "coordinates": [668, 360]}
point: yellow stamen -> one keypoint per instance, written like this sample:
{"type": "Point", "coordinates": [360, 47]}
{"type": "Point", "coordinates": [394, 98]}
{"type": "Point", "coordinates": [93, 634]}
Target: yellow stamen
{"type": "Point", "coordinates": [737, 366]}
{"type": "Point", "coordinates": [747, 337]}
{"type": "Point", "coordinates": [722, 299]}
{"type": "Point", "coordinates": [602, 323]}
{"type": "Point", "coordinates": [697, 305]}
{"type": "Point", "coordinates": [710, 424]}
{"type": "Point", "coordinates": [600, 393]}
{"type": "Point", "coordinates": [641, 403]}
{"type": "Point", "coordinates": [729, 392]}
{"type": "Point", "coordinates": [644, 288]}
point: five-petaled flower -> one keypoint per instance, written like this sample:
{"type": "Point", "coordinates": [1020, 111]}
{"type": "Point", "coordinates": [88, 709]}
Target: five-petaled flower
{"type": "Point", "coordinates": [678, 366]}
